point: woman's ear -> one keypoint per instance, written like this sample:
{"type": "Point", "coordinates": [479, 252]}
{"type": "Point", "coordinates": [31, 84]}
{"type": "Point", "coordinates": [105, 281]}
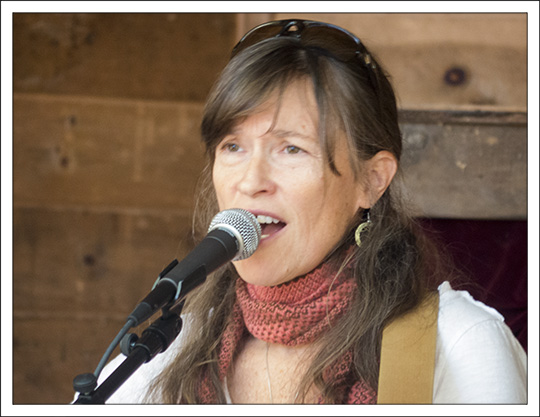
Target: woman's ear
{"type": "Point", "coordinates": [380, 170]}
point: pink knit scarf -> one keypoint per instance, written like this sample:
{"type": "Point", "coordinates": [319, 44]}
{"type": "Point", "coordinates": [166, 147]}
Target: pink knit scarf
{"type": "Point", "coordinates": [293, 313]}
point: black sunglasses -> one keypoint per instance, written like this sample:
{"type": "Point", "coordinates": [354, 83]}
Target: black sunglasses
{"type": "Point", "coordinates": [339, 42]}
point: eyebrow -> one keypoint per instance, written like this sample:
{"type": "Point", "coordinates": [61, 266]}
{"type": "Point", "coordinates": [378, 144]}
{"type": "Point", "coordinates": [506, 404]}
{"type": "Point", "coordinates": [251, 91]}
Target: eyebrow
{"type": "Point", "coordinates": [280, 133]}
{"type": "Point", "coordinates": [288, 133]}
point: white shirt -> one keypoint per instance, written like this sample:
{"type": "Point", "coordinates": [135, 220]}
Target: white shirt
{"type": "Point", "coordinates": [478, 360]}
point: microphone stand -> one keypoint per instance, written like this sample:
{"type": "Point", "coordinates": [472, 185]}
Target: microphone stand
{"type": "Point", "coordinates": [154, 339]}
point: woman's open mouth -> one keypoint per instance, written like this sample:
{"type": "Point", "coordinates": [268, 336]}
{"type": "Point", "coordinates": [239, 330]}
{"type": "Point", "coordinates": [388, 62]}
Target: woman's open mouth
{"type": "Point", "coordinates": [269, 225]}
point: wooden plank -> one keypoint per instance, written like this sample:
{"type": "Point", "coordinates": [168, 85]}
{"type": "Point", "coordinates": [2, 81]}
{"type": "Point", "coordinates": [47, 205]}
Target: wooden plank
{"type": "Point", "coordinates": [485, 76]}
{"type": "Point", "coordinates": [90, 263]}
{"type": "Point", "coordinates": [445, 60]}
{"type": "Point", "coordinates": [379, 29]}
{"type": "Point", "coordinates": [164, 56]}
{"type": "Point", "coordinates": [49, 352]}
{"type": "Point", "coordinates": [459, 117]}
{"type": "Point", "coordinates": [466, 165]}
{"type": "Point", "coordinates": [80, 151]}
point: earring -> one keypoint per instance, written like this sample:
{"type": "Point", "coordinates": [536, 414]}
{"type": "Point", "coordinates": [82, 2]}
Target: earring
{"type": "Point", "coordinates": [362, 227]}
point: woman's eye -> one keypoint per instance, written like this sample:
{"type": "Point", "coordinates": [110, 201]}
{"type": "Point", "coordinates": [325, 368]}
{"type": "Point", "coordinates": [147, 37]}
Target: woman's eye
{"type": "Point", "coordinates": [231, 147]}
{"type": "Point", "coordinates": [291, 149]}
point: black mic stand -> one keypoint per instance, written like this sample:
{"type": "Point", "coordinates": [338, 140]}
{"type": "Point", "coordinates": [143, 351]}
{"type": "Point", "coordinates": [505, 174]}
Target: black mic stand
{"type": "Point", "coordinates": [154, 339]}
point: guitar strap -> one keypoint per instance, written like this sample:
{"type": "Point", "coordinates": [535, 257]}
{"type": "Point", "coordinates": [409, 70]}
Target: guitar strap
{"type": "Point", "coordinates": [408, 356]}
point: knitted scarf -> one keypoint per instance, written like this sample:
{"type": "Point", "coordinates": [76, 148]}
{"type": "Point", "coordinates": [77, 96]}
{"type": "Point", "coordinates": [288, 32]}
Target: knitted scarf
{"type": "Point", "coordinates": [293, 313]}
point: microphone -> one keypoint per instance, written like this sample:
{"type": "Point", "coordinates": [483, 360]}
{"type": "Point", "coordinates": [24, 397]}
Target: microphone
{"type": "Point", "coordinates": [233, 234]}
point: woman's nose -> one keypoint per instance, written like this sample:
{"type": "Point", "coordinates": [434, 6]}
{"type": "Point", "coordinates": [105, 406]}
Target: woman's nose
{"type": "Point", "coordinates": [256, 176]}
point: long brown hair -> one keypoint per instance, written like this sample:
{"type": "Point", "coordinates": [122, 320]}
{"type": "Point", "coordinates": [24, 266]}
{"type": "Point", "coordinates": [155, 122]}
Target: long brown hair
{"type": "Point", "coordinates": [390, 267]}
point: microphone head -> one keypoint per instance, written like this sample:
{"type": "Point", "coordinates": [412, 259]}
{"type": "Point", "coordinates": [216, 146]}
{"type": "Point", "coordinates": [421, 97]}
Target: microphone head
{"type": "Point", "coordinates": [243, 225]}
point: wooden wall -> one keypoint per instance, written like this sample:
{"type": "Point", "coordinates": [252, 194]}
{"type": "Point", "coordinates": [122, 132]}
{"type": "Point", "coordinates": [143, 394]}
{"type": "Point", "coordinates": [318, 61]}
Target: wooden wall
{"type": "Point", "coordinates": [106, 157]}
{"type": "Point", "coordinates": [106, 154]}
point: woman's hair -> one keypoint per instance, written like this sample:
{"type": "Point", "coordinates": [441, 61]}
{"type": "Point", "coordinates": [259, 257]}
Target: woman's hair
{"type": "Point", "coordinates": [391, 267]}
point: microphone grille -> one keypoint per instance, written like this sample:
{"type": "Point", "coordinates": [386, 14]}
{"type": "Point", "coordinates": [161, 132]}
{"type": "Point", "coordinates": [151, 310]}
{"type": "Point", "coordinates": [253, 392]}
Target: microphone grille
{"type": "Point", "coordinates": [245, 227]}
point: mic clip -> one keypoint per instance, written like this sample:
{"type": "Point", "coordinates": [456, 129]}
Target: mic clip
{"type": "Point", "coordinates": [167, 269]}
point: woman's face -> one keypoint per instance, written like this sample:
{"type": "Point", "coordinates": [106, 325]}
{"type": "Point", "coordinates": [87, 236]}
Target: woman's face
{"type": "Point", "coordinates": [278, 172]}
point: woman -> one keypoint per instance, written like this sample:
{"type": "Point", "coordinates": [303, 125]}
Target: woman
{"type": "Point", "coordinates": [301, 129]}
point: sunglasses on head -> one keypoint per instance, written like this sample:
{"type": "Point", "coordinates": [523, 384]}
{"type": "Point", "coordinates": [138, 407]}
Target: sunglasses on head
{"type": "Point", "coordinates": [337, 41]}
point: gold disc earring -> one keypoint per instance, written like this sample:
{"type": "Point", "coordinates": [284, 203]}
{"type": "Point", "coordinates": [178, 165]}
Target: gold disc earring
{"type": "Point", "coordinates": [362, 227]}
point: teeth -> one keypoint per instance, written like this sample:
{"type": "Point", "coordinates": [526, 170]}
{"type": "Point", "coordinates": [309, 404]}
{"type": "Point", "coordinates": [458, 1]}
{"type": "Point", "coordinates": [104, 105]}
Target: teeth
{"type": "Point", "coordinates": [266, 220]}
